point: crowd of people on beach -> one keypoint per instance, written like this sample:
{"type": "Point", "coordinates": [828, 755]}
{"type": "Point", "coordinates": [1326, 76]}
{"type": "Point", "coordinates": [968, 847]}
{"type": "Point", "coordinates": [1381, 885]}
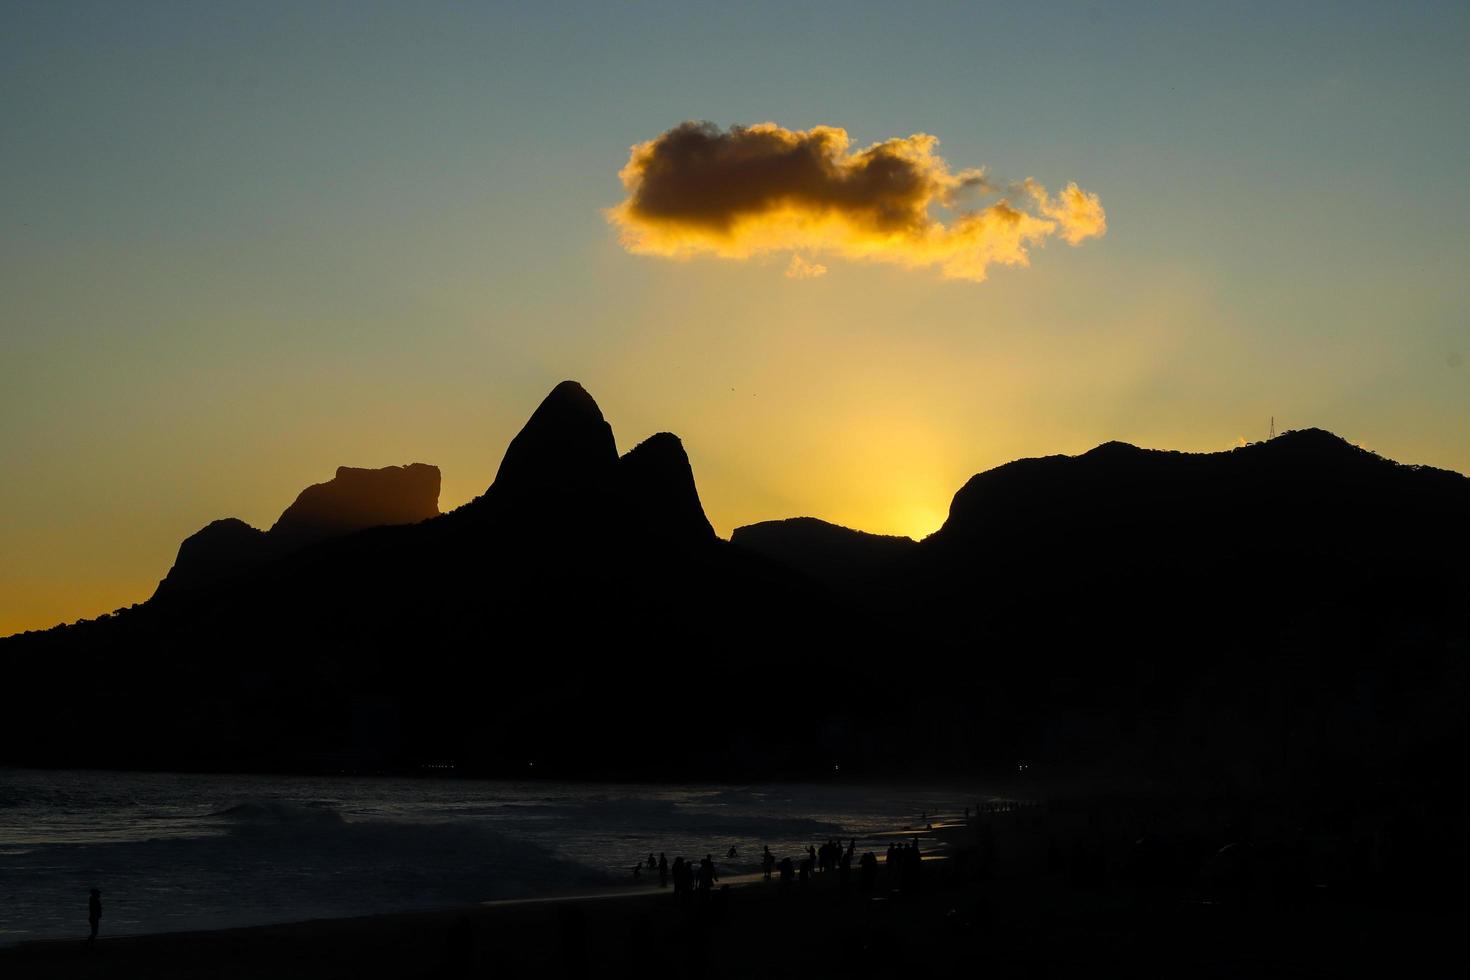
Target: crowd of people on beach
{"type": "Point", "coordinates": [999, 806]}
{"type": "Point", "coordinates": [900, 867]}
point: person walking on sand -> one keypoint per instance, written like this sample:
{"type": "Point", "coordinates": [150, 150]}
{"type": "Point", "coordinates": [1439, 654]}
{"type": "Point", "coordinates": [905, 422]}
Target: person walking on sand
{"type": "Point", "coordinates": [94, 913]}
{"type": "Point", "coordinates": [663, 870]}
{"type": "Point", "coordinates": [768, 860]}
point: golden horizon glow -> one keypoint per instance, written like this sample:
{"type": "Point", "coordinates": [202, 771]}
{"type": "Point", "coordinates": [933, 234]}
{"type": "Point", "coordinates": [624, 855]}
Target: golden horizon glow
{"type": "Point", "coordinates": [242, 251]}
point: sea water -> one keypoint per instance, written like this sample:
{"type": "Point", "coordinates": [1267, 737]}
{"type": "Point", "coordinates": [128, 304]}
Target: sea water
{"type": "Point", "coordinates": [175, 852]}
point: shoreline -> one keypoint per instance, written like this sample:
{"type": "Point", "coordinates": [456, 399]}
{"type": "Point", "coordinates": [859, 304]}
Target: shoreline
{"type": "Point", "coordinates": [939, 834]}
{"type": "Point", "coordinates": [428, 942]}
{"type": "Point", "coordinates": [1007, 894]}
{"type": "Point", "coordinates": [743, 879]}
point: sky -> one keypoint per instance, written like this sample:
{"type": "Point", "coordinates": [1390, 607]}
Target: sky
{"type": "Point", "coordinates": [244, 244]}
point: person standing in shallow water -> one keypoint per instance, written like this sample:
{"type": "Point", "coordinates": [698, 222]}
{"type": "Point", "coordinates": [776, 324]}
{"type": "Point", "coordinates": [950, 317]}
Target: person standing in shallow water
{"type": "Point", "coordinates": [94, 913]}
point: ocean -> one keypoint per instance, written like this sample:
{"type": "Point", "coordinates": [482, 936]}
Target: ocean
{"type": "Point", "coordinates": [175, 852]}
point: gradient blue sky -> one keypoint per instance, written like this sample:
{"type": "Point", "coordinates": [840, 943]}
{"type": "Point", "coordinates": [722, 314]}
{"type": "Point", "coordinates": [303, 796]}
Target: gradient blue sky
{"type": "Point", "coordinates": [245, 243]}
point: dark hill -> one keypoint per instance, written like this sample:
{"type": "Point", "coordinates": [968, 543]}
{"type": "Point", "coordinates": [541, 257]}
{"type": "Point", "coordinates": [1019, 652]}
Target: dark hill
{"type": "Point", "coordinates": [219, 550]}
{"type": "Point", "coordinates": [1268, 615]}
{"type": "Point", "coordinates": [1279, 618]}
{"type": "Point", "coordinates": [827, 552]}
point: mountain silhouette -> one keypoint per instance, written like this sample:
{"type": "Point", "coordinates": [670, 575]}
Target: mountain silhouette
{"type": "Point", "coordinates": [566, 447]}
{"type": "Point", "coordinates": [360, 498]}
{"type": "Point", "coordinates": [216, 552]}
{"type": "Point", "coordinates": [352, 500]}
{"type": "Point", "coordinates": [827, 552]}
{"type": "Point", "coordinates": [658, 492]}
{"type": "Point", "coordinates": [1278, 617]}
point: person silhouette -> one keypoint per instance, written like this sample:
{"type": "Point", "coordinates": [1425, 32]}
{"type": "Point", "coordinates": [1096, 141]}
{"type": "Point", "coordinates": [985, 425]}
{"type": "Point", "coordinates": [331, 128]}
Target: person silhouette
{"type": "Point", "coordinates": [768, 860]}
{"type": "Point", "coordinates": [94, 912]}
{"type": "Point", "coordinates": [706, 879]}
{"type": "Point", "coordinates": [684, 877]}
{"type": "Point", "coordinates": [731, 853]}
{"type": "Point", "coordinates": [663, 870]}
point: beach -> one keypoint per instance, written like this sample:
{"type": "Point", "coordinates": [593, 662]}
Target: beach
{"type": "Point", "coordinates": [984, 907]}
{"type": "Point", "coordinates": [182, 853]}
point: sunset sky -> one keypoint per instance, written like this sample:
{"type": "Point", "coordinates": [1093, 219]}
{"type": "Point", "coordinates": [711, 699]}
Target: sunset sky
{"type": "Point", "coordinates": [246, 243]}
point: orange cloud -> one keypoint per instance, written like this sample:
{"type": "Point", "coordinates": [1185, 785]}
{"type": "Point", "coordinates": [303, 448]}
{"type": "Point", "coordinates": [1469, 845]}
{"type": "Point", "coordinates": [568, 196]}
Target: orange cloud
{"type": "Point", "coordinates": [698, 190]}
{"type": "Point", "coordinates": [800, 268]}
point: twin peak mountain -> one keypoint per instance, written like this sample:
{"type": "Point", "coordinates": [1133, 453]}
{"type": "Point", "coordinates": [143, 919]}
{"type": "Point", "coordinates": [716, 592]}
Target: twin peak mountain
{"type": "Point", "coordinates": [566, 452]}
{"type": "Point", "coordinates": [562, 484]}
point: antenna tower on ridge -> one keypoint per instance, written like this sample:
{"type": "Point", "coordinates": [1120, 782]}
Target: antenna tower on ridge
{"type": "Point", "coordinates": [1273, 428]}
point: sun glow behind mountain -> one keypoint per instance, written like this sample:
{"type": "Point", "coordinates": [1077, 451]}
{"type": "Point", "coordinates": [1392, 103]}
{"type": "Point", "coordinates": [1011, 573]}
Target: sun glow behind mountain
{"type": "Point", "coordinates": [242, 251]}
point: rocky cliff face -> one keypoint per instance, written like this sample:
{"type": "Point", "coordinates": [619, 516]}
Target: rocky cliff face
{"type": "Point", "coordinates": [352, 500]}
{"type": "Point", "coordinates": [359, 498]}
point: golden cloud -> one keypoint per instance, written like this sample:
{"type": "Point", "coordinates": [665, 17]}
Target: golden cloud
{"type": "Point", "coordinates": [800, 268]}
{"type": "Point", "coordinates": [698, 190]}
